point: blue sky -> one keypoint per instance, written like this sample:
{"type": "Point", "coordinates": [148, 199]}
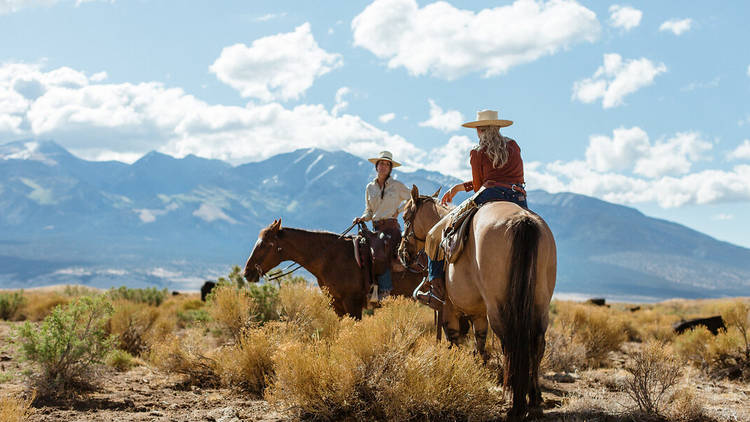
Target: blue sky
{"type": "Point", "coordinates": [640, 103]}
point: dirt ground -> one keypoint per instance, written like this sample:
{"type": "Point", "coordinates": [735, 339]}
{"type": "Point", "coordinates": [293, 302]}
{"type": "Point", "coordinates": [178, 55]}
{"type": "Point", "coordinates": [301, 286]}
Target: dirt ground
{"type": "Point", "coordinates": [145, 394]}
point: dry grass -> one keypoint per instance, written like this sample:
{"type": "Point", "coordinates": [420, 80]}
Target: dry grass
{"type": "Point", "coordinates": [248, 365]}
{"type": "Point", "coordinates": [563, 353]}
{"type": "Point", "coordinates": [308, 311]}
{"type": "Point", "coordinates": [137, 326]}
{"type": "Point", "coordinates": [232, 309]}
{"type": "Point", "coordinates": [190, 355]}
{"type": "Point", "coordinates": [40, 304]}
{"type": "Point", "coordinates": [383, 367]}
{"type": "Point", "coordinates": [16, 409]}
{"type": "Point", "coordinates": [120, 360]}
{"type": "Point", "coordinates": [599, 330]}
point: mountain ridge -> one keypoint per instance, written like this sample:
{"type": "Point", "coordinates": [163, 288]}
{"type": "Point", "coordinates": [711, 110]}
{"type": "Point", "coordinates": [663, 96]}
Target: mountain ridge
{"type": "Point", "coordinates": [174, 222]}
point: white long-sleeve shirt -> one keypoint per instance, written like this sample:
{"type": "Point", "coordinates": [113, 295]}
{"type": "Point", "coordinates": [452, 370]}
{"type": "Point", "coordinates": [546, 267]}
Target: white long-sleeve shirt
{"type": "Point", "coordinates": [390, 205]}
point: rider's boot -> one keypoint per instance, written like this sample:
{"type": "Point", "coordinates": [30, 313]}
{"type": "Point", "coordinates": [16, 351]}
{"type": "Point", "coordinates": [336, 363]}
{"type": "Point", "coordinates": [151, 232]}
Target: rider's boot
{"type": "Point", "coordinates": [433, 297]}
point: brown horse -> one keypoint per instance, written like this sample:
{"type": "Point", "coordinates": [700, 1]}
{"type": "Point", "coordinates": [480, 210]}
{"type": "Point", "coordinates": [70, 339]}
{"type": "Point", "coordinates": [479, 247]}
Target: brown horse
{"type": "Point", "coordinates": [327, 256]}
{"type": "Point", "coordinates": [504, 278]}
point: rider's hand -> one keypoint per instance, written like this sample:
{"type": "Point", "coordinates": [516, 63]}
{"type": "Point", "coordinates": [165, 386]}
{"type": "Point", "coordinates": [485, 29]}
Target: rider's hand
{"type": "Point", "coordinates": [447, 197]}
{"type": "Point", "coordinates": [357, 220]}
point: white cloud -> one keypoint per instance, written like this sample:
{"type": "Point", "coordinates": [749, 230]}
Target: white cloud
{"type": "Point", "coordinates": [624, 17]}
{"type": "Point", "coordinates": [452, 158]}
{"type": "Point", "coordinates": [742, 152]}
{"type": "Point", "coordinates": [341, 103]}
{"type": "Point", "coordinates": [692, 86]}
{"type": "Point", "coordinates": [270, 16]}
{"type": "Point", "coordinates": [447, 121]}
{"type": "Point", "coordinates": [443, 41]}
{"type": "Point", "coordinates": [387, 117]}
{"type": "Point", "coordinates": [677, 26]}
{"type": "Point", "coordinates": [616, 79]}
{"type": "Point", "coordinates": [723, 217]}
{"type": "Point", "coordinates": [12, 6]}
{"type": "Point", "coordinates": [210, 213]}
{"type": "Point", "coordinates": [281, 66]}
{"type": "Point", "coordinates": [630, 149]}
{"type": "Point", "coordinates": [124, 121]}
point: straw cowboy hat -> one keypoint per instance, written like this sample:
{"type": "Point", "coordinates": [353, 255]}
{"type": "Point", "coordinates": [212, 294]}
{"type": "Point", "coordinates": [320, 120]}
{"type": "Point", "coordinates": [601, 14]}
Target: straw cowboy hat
{"type": "Point", "coordinates": [488, 118]}
{"type": "Point", "coordinates": [384, 155]}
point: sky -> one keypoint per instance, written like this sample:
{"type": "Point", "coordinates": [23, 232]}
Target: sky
{"type": "Point", "coordinates": [642, 103]}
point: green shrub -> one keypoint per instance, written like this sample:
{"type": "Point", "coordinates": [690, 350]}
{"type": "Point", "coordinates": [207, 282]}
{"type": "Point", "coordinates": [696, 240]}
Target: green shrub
{"type": "Point", "coordinates": [68, 342]}
{"type": "Point", "coordinates": [151, 295]}
{"type": "Point", "coordinates": [266, 297]}
{"type": "Point", "coordinates": [190, 317]}
{"type": "Point", "coordinates": [10, 303]}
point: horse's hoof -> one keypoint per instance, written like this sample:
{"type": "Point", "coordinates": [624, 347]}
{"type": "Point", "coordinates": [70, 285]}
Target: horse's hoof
{"type": "Point", "coordinates": [535, 413]}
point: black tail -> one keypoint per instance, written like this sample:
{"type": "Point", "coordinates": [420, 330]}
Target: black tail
{"type": "Point", "coordinates": [520, 328]}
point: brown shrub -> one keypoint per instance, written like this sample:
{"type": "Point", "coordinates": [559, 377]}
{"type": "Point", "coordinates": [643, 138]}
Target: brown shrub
{"type": "Point", "coordinates": [654, 372]}
{"type": "Point", "coordinates": [599, 330]}
{"type": "Point", "coordinates": [16, 409]}
{"type": "Point", "coordinates": [247, 365]}
{"type": "Point", "coordinates": [187, 355]}
{"type": "Point", "coordinates": [307, 309]}
{"type": "Point", "coordinates": [563, 352]}
{"type": "Point", "coordinates": [138, 325]}
{"type": "Point", "coordinates": [120, 360]}
{"type": "Point", "coordinates": [686, 406]}
{"type": "Point", "coordinates": [383, 368]}
{"type": "Point", "coordinates": [232, 309]}
{"type": "Point", "coordinates": [39, 305]}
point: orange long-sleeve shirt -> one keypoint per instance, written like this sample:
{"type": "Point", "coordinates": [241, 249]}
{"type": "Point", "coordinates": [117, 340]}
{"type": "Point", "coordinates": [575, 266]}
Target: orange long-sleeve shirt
{"type": "Point", "coordinates": [483, 171]}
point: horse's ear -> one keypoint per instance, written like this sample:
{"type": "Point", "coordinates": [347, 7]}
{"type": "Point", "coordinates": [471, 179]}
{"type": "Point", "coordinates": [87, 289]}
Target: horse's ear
{"type": "Point", "coordinates": [414, 193]}
{"type": "Point", "coordinates": [276, 225]}
{"type": "Point", "coordinates": [437, 192]}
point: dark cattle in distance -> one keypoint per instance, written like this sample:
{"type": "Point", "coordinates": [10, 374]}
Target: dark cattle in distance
{"type": "Point", "coordinates": [634, 309]}
{"type": "Point", "coordinates": [175, 293]}
{"type": "Point", "coordinates": [206, 289]}
{"type": "Point", "coordinates": [714, 324]}
{"type": "Point", "coordinates": [598, 301]}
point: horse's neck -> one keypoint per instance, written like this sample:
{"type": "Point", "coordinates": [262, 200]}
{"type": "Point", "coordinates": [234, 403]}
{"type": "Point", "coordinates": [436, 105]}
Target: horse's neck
{"type": "Point", "coordinates": [436, 214]}
{"type": "Point", "coordinates": [310, 249]}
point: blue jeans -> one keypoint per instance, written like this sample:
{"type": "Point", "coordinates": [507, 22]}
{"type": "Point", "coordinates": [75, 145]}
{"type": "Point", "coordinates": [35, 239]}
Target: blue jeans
{"type": "Point", "coordinates": [436, 269]}
{"type": "Point", "coordinates": [385, 284]}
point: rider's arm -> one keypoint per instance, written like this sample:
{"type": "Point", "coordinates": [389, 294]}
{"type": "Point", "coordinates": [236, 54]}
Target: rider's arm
{"type": "Point", "coordinates": [369, 212]}
{"type": "Point", "coordinates": [477, 178]}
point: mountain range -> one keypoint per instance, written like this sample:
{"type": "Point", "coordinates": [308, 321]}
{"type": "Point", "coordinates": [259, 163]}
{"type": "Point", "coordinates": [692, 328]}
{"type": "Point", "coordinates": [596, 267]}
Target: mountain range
{"type": "Point", "coordinates": [168, 222]}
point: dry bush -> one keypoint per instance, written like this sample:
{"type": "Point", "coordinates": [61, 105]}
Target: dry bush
{"type": "Point", "coordinates": [10, 304]}
{"type": "Point", "coordinates": [651, 324]}
{"type": "Point", "coordinates": [563, 353]}
{"type": "Point", "coordinates": [718, 355]}
{"type": "Point", "coordinates": [39, 305]}
{"type": "Point", "coordinates": [188, 355]}
{"type": "Point", "coordinates": [686, 406]}
{"type": "Point", "coordinates": [138, 325]}
{"type": "Point", "coordinates": [16, 409]}
{"type": "Point", "coordinates": [383, 367]}
{"type": "Point", "coordinates": [308, 310]}
{"type": "Point", "coordinates": [232, 309]}
{"type": "Point", "coordinates": [247, 365]}
{"type": "Point", "coordinates": [654, 373]}
{"type": "Point", "coordinates": [737, 315]}
{"type": "Point", "coordinates": [599, 330]}
{"type": "Point", "coordinates": [120, 360]}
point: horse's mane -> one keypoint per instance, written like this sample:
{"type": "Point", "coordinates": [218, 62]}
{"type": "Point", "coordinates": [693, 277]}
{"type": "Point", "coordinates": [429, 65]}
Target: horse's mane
{"type": "Point", "coordinates": [318, 232]}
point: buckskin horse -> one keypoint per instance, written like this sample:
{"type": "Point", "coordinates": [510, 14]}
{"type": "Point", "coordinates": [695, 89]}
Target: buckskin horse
{"type": "Point", "coordinates": [329, 257]}
{"type": "Point", "coordinates": [504, 277]}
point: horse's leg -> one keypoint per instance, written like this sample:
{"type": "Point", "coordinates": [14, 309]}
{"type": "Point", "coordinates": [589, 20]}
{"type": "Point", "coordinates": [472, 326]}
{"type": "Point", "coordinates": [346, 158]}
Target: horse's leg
{"type": "Point", "coordinates": [451, 323]}
{"type": "Point", "coordinates": [339, 308]}
{"type": "Point", "coordinates": [480, 335]}
{"type": "Point", "coordinates": [535, 390]}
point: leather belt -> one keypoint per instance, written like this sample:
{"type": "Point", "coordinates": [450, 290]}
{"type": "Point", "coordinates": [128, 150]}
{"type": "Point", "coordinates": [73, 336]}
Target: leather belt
{"type": "Point", "coordinates": [516, 187]}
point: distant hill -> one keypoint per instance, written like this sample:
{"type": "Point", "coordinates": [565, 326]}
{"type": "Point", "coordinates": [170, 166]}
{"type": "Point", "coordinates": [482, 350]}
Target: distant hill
{"type": "Point", "coordinates": [175, 222]}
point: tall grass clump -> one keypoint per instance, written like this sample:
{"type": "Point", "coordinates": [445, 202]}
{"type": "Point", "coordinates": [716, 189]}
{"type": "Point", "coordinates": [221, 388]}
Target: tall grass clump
{"type": "Point", "coordinates": [120, 360]}
{"type": "Point", "coordinates": [151, 295]}
{"type": "Point", "coordinates": [189, 355]}
{"type": "Point", "coordinates": [138, 325]}
{"type": "Point", "coordinates": [383, 367]}
{"type": "Point", "coordinates": [307, 310]}
{"type": "Point", "coordinates": [16, 409]}
{"type": "Point", "coordinates": [10, 304]}
{"type": "Point", "coordinates": [599, 330]}
{"type": "Point", "coordinates": [563, 352]}
{"type": "Point", "coordinates": [39, 305]}
{"type": "Point", "coordinates": [68, 343]}
{"type": "Point", "coordinates": [232, 309]}
{"type": "Point", "coordinates": [247, 365]}
{"type": "Point", "coordinates": [654, 372]}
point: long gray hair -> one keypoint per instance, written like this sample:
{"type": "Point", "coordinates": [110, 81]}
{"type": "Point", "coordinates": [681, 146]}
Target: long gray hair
{"type": "Point", "coordinates": [493, 144]}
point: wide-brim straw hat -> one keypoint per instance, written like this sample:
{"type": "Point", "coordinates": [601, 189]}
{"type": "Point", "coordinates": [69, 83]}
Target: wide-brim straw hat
{"type": "Point", "coordinates": [384, 155]}
{"type": "Point", "coordinates": [488, 118]}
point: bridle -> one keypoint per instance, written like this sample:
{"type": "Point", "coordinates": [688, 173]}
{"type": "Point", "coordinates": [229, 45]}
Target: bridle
{"type": "Point", "coordinates": [409, 234]}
